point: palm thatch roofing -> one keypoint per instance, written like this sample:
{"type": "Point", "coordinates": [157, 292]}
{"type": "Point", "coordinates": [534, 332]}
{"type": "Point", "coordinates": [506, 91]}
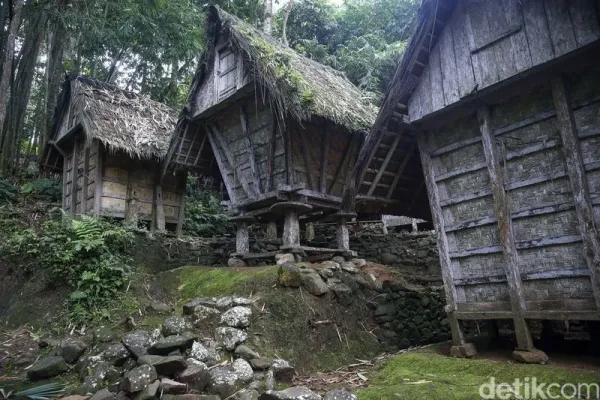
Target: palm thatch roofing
{"type": "Point", "coordinates": [295, 85]}
{"type": "Point", "coordinates": [121, 120]}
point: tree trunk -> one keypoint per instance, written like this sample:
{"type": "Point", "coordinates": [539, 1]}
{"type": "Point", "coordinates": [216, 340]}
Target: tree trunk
{"type": "Point", "coordinates": [7, 65]}
{"type": "Point", "coordinates": [268, 22]}
{"type": "Point", "coordinates": [288, 10]}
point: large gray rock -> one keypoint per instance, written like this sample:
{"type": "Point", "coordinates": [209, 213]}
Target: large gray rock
{"type": "Point", "coordinates": [138, 378]}
{"type": "Point", "coordinates": [223, 382]}
{"type": "Point", "coordinates": [172, 343]}
{"type": "Point", "coordinates": [195, 376]}
{"type": "Point", "coordinates": [47, 367]}
{"type": "Point", "coordinates": [235, 262]}
{"type": "Point", "coordinates": [237, 317]}
{"type": "Point", "coordinates": [204, 353]}
{"type": "Point", "coordinates": [261, 364]}
{"type": "Point", "coordinates": [283, 258]}
{"type": "Point", "coordinates": [282, 370]}
{"type": "Point", "coordinates": [340, 394]}
{"type": "Point", "coordinates": [190, 396]}
{"type": "Point", "coordinates": [175, 326]}
{"type": "Point", "coordinates": [137, 343]}
{"type": "Point", "coordinates": [245, 394]}
{"type": "Point", "coordinates": [314, 284]}
{"type": "Point", "coordinates": [149, 392]}
{"type": "Point", "coordinates": [168, 366]}
{"type": "Point", "coordinates": [189, 307]}
{"type": "Point", "coordinates": [117, 354]}
{"type": "Point", "coordinates": [332, 265]}
{"type": "Point", "coordinates": [71, 349]}
{"type": "Point", "coordinates": [169, 386]}
{"type": "Point", "coordinates": [103, 394]}
{"type": "Point", "coordinates": [293, 393]}
{"type": "Point", "coordinates": [243, 370]}
{"type": "Point", "coordinates": [229, 338]}
{"type": "Point", "coordinates": [389, 258]}
{"type": "Point", "coordinates": [245, 352]}
{"type": "Point", "coordinates": [358, 262]}
{"type": "Point", "coordinates": [104, 334]}
{"type": "Point", "coordinates": [289, 274]}
{"type": "Point", "coordinates": [201, 314]}
{"type": "Point", "coordinates": [342, 293]}
{"type": "Point", "coordinates": [348, 267]}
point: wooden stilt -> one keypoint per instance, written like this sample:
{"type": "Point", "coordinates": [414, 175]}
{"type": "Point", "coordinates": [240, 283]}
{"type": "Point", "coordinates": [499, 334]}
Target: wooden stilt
{"type": "Point", "coordinates": [271, 230]}
{"type": "Point", "coordinates": [291, 229]}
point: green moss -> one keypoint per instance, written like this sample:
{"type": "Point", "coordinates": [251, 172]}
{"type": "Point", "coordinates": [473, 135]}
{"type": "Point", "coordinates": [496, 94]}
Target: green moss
{"type": "Point", "coordinates": [424, 374]}
{"type": "Point", "coordinates": [189, 282]}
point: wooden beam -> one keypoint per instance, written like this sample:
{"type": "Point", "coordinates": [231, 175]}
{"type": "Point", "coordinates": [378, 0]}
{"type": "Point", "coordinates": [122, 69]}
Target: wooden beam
{"type": "Point", "coordinates": [442, 240]}
{"type": "Point", "coordinates": [159, 210]}
{"type": "Point", "coordinates": [74, 174]}
{"type": "Point", "coordinates": [98, 178]}
{"type": "Point", "coordinates": [289, 161]}
{"type": "Point", "coordinates": [217, 135]}
{"type": "Point", "coordinates": [248, 138]}
{"type": "Point", "coordinates": [201, 147]}
{"type": "Point", "coordinates": [324, 159]}
{"type": "Point", "coordinates": [350, 150]}
{"type": "Point", "coordinates": [180, 217]}
{"type": "Point", "coordinates": [187, 155]}
{"type": "Point", "coordinates": [86, 170]}
{"type": "Point", "coordinates": [506, 233]}
{"type": "Point", "coordinates": [221, 164]}
{"type": "Point", "coordinates": [384, 165]}
{"type": "Point", "coordinates": [579, 185]}
{"type": "Point", "coordinates": [403, 166]}
{"type": "Point", "coordinates": [181, 139]}
{"type": "Point", "coordinates": [271, 156]}
{"type": "Point", "coordinates": [307, 166]}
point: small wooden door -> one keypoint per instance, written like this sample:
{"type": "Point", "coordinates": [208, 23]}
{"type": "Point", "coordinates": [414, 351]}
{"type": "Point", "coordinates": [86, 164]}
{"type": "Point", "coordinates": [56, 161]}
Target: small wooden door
{"type": "Point", "coordinates": [226, 72]}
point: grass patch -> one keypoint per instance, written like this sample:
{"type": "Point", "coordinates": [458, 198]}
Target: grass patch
{"type": "Point", "coordinates": [449, 378]}
{"type": "Point", "coordinates": [188, 282]}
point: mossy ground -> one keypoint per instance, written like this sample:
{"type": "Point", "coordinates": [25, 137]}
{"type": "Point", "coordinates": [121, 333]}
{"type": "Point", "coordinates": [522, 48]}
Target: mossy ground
{"type": "Point", "coordinates": [426, 374]}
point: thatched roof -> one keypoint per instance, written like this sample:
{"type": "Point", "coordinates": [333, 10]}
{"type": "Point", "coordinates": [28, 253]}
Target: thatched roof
{"type": "Point", "coordinates": [295, 85]}
{"type": "Point", "coordinates": [119, 119]}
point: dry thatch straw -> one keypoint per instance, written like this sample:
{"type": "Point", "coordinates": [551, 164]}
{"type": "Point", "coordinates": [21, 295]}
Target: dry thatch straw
{"type": "Point", "coordinates": [295, 85]}
{"type": "Point", "coordinates": [122, 120]}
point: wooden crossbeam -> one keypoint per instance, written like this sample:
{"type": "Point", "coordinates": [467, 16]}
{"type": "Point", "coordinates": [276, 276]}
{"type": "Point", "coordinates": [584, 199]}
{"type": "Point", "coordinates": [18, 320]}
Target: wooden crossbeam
{"type": "Point", "coordinates": [224, 172]}
{"type": "Point", "coordinates": [201, 148]}
{"type": "Point", "coordinates": [403, 166]}
{"type": "Point", "coordinates": [384, 165]}
{"type": "Point", "coordinates": [250, 146]}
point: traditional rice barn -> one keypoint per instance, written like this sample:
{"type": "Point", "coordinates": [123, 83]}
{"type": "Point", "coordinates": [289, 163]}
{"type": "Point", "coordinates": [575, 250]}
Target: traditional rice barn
{"type": "Point", "coordinates": [284, 130]}
{"type": "Point", "coordinates": [109, 143]}
{"type": "Point", "coordinates": [503, 101]}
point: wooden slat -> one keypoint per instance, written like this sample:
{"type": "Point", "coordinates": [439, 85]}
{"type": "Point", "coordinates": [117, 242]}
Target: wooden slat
{"type": "Point", "coordinates": [250, 147]}
{"type": "Point", "coordinates": [442, 240]}
{"type": "Point", "coordinates": [401, 169]}
{"type": "Point", "coordinates": [86, 170]}
{"type": "Point", "coordinates": [201, 147]}
{"type": "Point", "coordinates": [567, 272]}
{"type": "Point", "coordinates": [307, 164]}
{"type": "Point", "coordinates": [578, 180]}
{"type": "Point", "coordinates": [343, 166]}
{"type": "Point", "coordinates": [384, 165]}
{"type": "Point", "coordinates": [74, 173]}
{"type": "Point", "coordinates": [98, 178]}
{"type": "Point", "coordinates": [462, 52]}
{"type": "Point", "coordinates": [538, 32]}
{"type": "Point", "coordinates": [561, 28]}
{"type": "Point", "coordinates": [584, 16]}
{"type": "Point", "coordinates": [221, 164]}
{"type": "Point", "coordinates": [271, 155]}
{"type": "Point", "coordinates": [230, 160]}
{"type": "Point", "coordinates": [506, 233]}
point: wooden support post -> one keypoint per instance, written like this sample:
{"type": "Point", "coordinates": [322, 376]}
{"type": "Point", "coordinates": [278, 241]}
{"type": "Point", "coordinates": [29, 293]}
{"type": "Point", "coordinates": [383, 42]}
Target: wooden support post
{"type": "Point", "coordinates": [160, 210]}
{"type": "Point", "coordinates": [506, 233]}
{"type": "Point", "coordinates": [65, 176]}
{"type": "Point", "coordinates": [289, 161]}
{"type": "Point", "coordinates": [344, 164]}
{"type": "Point", "coordinates": [403, 166]}
{"type": "Point", "coordinates": [442, 241]}
{"type": "Point", "coordinates": [307, 164]}
{"type": "Point", "coordinates": [291, 228]}
{"type": "Point", "coordinates": [242, 238]}
{"type": "Point", "coordinates": [221, 164]}
{"type": "Point", "coordinates": [86, 171]}
{"type": "Point", "coordinates": [324, 159]}
{"type": "Point", "coordinates": [310, 231]}
{"type": "Point", "coordinates": [181, 215]}
{"type": "Point", "coordinates": [74, 176]}
{"type": "Point", "coordinates": [271, 230]}
{"type": "Point", "coordinates": [250, 146]}
{"type": "Point", "coordinates": [342, 235]}
{"type": "Point", "coordinates": [579, 185]}
{"type": "Point", "coordinates": [271, 161]}
{"type": "Point", "coordinates": [201, 147]}
{"type": "Point", "coordinates": [384, 165]}
{"type": "Point", "coordinates": [98, 179]}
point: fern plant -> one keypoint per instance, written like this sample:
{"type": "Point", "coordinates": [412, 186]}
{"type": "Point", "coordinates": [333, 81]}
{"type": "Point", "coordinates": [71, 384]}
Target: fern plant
{"type": "Point", "coordinates": [43, 392]}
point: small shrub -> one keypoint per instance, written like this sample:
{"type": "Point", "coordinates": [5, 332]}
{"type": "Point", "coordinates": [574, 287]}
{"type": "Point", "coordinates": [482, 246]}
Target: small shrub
{"type": "Point", "coordinates": [204, 215]}
{"type": "Point", "coordinates": [45, 188]}
{"type": "Point", "coordinates": [7, 191]}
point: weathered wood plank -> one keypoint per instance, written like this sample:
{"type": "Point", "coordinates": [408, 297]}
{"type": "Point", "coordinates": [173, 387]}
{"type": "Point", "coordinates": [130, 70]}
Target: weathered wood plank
{"type": "Point", "coordinates": [343, 166]}
{"type": "Point", "coordinates": [289, 161]}
{"type": "Point", "coordinates": [442, 240]}
{"type": "Point", "coordinates": [520, 45]}
{"type": "Point", "coordinates": [230, 160]}
{"type": "Point", "coordinates": [567, 272]}
{"type": "Point", "coordinates": [561, 32]}
{"type": "Point", "coordinates": [180, 216]}
{"type": "Point", "coordinates": [74, 176]}
{"type": "Point", "coordinates": [501, 40]}
{"type": "Point", "coordinates": [455, 146]}
{"type": "Point", "coordinates": [86, 179]}
{"type": "Point", "coordinates": [271, 155]}
{"type": "Point", "coordinates": [462, 52]}
{"type": "Point", "coordinates": [98, 178]}
{"type": "Point", "coordinates": [437, 87]}
{"type": "Point", "coordinates": [220, 162]}
{"type": "Point", "coordinates": [484, 61]}
{"type": "Point", "coordinates": [250, 146]}
{"type": "Point", "coordinates": [578, 181]}
{"type": "Point", "coordinates": [425, 92]}
{"type": "Point", "coordinates": [537, 31]}
{"type": "Point", "coordinates": [201, 147]}
{"type": "Point", "coordinates": [461, 171]}
{"type": "Point", "coordinates": [448, 65]}
{"type": "Point", "coordinates": [384, 165]}
{"type": "Point", "coordinates": [507, 237]}
{"type": "Point", "coordinates": [584, 16]}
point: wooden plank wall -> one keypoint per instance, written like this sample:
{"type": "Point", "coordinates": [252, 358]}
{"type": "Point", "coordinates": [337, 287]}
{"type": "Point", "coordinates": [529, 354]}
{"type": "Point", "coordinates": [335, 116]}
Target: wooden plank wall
{"type": "Point", "coordinates": [552, 264]}
{"type": "Point", "coordinates": [128, 189]}
{"type": "Point", "coordinates": [486, 42]}
{"type": "Point", "coordinates": [233, 144]}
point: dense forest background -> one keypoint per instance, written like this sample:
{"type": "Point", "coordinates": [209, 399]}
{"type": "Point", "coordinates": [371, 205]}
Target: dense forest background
{"type": "Point", "coordinates": [152, 46]}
